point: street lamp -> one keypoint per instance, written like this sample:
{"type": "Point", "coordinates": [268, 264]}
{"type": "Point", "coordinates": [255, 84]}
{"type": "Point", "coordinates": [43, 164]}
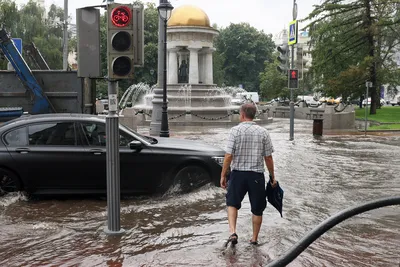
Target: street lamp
{"type": "Point", "coordinates": [164, 11]}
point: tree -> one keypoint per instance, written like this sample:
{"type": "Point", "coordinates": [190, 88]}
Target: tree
{"type": "Point", "coordinates": [243, 50]}
{"type": "Point", "coordinates": [273, 84]}
{"type": "Point", "coordinates": [148, 73]}
{"type": "Point", "coordinates": [30, 23]}
{"type": "Point", "coordinates": [8, 17]}
{"type": "Point", "coordinates": [353, 42]}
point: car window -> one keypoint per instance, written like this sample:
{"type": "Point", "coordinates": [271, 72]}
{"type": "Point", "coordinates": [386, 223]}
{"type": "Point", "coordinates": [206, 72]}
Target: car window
{"type": "Point", "coordinates": [52, 134]}
{"type": "Point", "coordinates": [17, 137]}
{"type": "Point", "coordinates": [95, 134]}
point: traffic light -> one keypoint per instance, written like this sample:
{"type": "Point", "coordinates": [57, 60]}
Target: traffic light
{"type": "Point", "coordinates": [301, 61]}
{"type": "Point", "coordinates": [283, 58]}
{"type": "Point", "coordinates": [293, 79]}
{"type": "Point", "coordinates": [120, 41]}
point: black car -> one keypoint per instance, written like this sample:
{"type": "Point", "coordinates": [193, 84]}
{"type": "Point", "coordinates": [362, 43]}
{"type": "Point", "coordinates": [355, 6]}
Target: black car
{"type": "Point", "coordinates": [66, 154]}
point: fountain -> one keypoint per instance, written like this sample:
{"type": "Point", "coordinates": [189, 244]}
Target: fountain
{"type": "Point", "coordinates": [193, 98]}
{"type": "Point", "coordinates": [187, 105]}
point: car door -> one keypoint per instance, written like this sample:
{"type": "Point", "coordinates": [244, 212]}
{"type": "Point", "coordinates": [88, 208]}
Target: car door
{"type": "Point", "coordinates": [135, 165]}
{"type": "Point", "coordinates": [50, 159]}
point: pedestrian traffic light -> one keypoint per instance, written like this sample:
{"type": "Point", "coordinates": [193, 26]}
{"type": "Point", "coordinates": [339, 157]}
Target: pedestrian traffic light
{"type": "Point", "coordinates": [301, 60]}
{"type": "Point", "coordinates": [293, 79]}
{"type": "Point", "coordinates": [120, 41]}
{"type": "Point", "coordinates": [283, 58]}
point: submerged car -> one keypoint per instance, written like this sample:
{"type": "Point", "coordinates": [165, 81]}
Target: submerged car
{"type": "Point", "coordinates": [66, 154]}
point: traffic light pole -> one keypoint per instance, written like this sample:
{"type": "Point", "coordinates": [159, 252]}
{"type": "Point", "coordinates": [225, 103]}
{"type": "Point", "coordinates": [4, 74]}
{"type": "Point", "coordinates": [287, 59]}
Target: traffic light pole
{"type": "Point", "coordinates": [112, 160]}
{"type": "Point", "coordinates": [113, 163]}
{"type": "Point", "coordinates": [291, 137]}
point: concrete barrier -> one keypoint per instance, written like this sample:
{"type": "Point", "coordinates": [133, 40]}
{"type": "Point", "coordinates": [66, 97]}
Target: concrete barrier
{"type": "Point", "coordinates": [332, 118]}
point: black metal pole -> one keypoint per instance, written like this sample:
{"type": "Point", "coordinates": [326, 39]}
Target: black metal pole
{"type": "Point", "coordinates": [164, 116]}
{"type": "Point", "coordinates": [291, 137]}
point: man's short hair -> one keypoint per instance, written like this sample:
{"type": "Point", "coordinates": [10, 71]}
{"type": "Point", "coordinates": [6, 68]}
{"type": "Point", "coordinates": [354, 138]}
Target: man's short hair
{"type": "Point", "coordinates": [248, 110]}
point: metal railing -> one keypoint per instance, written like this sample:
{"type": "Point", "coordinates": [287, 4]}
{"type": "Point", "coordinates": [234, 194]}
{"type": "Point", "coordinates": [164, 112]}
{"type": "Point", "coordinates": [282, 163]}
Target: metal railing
{"type": "Point", "coordinates": [263, 111]}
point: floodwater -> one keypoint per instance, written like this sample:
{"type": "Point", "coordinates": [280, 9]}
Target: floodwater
{"type": "Point", "coordinates": [320, 176]}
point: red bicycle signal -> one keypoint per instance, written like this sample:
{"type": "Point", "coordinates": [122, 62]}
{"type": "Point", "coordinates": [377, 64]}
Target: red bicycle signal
{"type": "Point", "coordinates": [121, 16]}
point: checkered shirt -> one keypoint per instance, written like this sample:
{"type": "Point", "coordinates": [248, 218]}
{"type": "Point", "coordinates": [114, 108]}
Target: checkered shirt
{"type": "Point", "coordinates": [248, 144]}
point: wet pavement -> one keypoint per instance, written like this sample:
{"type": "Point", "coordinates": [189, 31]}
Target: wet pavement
{"type": "Point", "coordinates": [320, 176]}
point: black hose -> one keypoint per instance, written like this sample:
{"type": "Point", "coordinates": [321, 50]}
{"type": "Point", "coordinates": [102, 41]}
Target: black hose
{"type": "Point", "coordinates": [323, 227]}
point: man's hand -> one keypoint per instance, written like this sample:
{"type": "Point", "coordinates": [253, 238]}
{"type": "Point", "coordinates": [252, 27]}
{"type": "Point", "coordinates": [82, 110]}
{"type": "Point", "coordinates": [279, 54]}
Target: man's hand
{"type": "Point", "coordinates": [273, 181]}
{"type": "Point", "coordinates": [223, 181]}
{"type": "Point", "coordinates": [225, 169]}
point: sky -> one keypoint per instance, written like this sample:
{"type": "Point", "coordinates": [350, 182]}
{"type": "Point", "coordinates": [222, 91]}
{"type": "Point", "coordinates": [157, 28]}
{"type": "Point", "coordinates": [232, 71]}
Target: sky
{"type": "Point", "coordinates": [271, 16]}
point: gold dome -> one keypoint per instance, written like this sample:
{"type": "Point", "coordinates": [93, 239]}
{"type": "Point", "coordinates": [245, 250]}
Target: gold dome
{"type": "Point", "coordinates": [189, 16]}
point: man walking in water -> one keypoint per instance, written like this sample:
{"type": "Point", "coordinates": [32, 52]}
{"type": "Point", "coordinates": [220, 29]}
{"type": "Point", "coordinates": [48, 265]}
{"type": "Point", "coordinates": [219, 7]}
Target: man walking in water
{"type": "Point", "coordinates": [248, 147]}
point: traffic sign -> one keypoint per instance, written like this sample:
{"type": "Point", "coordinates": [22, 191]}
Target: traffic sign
{"type": "Point", "coordinates": [292, 33]}
{"type": "Point", "coordinates": [293, 79]}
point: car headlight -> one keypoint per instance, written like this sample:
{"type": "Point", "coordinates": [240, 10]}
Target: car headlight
{"type": "Point", "coordinates": [219, 160]}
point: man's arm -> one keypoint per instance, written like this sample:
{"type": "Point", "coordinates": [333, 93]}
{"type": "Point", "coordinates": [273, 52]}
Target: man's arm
{"type": "Point", "coordinates": [269, 161]}
{"type": "Point", "coordinates": [225, 168]}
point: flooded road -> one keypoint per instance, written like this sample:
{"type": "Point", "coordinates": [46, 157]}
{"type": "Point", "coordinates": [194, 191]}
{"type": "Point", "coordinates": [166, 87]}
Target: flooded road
{"type": "Point", "coordinates": [320, 176]}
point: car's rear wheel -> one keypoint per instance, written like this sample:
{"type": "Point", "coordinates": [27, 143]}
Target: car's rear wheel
{"type": "Point", "coordinates": [9, 182]}
{"type": "Point", "coordinates": [191, 177]}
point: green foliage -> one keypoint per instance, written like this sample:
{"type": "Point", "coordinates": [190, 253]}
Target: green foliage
{"type": "Point", "coordinates": [30, 23]}
{"type": "Point", "coordinates": [148, 73]}
{"type": "Point", "coordinates": [353, 41]}
{"type": "Point", "coordinates": [242, 49]}
{"type": "Point", "coordinates": [387, 114]}
{"type": "Point", "coordinates": [218, 69]}
{"type": "Point", "coordinates": [273, 84]}
{"type": "Point", "coordinates": [385, 127]}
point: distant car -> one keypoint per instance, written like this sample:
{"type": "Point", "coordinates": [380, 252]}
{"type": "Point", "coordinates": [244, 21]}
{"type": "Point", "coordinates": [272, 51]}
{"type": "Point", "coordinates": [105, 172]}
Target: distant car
{"type": "Point", "coordinates": [395, 101]}
{"type": "Point", "coordinates": [310, 101]}
{"type": "Point", "coordinates": [249, 96]}
{"type": "Point", "coordinates": [66, 154]}
{"type": "Point", "coordinates": [237, 101]}
{"type": "Point", "coordinates": [382, 101]}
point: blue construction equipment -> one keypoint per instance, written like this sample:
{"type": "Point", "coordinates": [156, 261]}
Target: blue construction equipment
{"type": "Point", "coordinates": [41, 103]}
{"type": "Point", "coordinates": [10, 113]}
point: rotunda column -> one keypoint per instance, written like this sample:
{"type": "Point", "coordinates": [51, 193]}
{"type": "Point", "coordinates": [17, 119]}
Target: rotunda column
{"type": "Point", "coordinates": [173, 66]}
{"type": "Point", "coordinates": [194, 65]}
{"type": "Point", "coordinates": [201, 66]}
{"type": "Point", "coordinates": [209, 66]}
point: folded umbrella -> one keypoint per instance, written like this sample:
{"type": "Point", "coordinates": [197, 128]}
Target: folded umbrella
{"type": "Point", "coordinates": [275, 196]}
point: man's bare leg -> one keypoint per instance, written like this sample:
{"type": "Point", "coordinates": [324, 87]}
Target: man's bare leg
{"type": "Point", "coordinates": [232, 218]}
{"type": "Point", "coordinates": [257, 221]}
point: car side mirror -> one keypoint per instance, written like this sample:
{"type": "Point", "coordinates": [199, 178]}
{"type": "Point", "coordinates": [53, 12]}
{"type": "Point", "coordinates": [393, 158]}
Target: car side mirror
{"type": "Point", "coordinates": [135, 145]}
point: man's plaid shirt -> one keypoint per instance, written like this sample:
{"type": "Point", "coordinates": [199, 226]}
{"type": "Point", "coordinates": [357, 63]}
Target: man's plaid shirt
{"type": "Point", "coordinates": [248, 144]}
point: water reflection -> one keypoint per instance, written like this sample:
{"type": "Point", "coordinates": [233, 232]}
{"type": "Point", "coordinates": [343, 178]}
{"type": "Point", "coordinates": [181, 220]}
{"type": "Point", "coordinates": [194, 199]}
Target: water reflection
{"type": "Point", "coordinates": [320, 177]}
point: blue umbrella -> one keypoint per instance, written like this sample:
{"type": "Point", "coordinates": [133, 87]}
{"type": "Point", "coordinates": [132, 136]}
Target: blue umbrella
{"type": "Point", "coordinates": [275, 196]}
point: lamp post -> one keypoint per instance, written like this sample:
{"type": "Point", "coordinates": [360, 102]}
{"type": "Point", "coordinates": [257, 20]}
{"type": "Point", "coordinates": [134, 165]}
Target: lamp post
{"type": "Point", "coordinates": [164, 11]}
